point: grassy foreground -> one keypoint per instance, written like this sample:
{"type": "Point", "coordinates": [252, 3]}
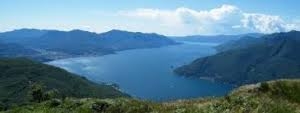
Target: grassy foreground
{"type": "Point", "coordinates": [281, 96]}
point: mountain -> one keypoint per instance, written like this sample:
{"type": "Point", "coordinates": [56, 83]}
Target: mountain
{"type": "Point", "coordinates": [54, 44]}
{"type": "Point", "coordinates": [280, 96]}
{"type": "Point", "coordinates": [215, 38]}
{"type": "Point", "coordinates": [17, 76]}
{"type": "Point", "coordinates": [123, 40]}
{"type": "Point", "coordinates": [243, 42]}
{"type": "Point", "coordinates": [74, 42]}
{"type": "Point", "coordinates": [14, 50]}
{"type": "Point", "coordinates": [23, 33]}
{"type": "Point", "coordinates": [271, 57]}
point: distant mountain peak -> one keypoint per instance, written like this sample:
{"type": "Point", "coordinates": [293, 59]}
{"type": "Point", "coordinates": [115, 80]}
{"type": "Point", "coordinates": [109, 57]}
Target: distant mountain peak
{"type": "Point", "coordinates": [294, 31]}
{"type": "Point", "coordinates": [117, 31]}
{"type": "Point", "coordinates": [24, 32]}
{"type": "Point", "coordinates": [79, 31]}
{"type": "Point", "coordinates": [26, 29]}
{"type": "Point", "coordinates": [124, 32]}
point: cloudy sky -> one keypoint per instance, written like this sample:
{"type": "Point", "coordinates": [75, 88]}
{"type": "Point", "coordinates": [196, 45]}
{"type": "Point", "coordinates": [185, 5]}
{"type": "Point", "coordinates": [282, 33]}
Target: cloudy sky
{"type": "Point", "coordinates": [168, 17]}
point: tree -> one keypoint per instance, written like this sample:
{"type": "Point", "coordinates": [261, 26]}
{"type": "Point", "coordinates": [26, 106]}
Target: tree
{"type": "Point", "coordinates": [36, 92]}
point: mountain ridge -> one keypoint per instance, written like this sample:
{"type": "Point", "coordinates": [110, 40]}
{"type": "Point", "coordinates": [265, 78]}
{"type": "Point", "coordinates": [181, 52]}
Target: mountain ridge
{"type": "Point", "coordinates": [215, 38]}
{"type": "Point", "coordinates": [273, 57]}
{"type": "Point", "coordinates": [56, 44]}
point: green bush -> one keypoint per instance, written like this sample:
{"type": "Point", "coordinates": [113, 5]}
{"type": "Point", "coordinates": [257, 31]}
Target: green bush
{"type": "Point", "coordinates": [264, 87]}
{"type": "Point", "coordinates": [2, 106]}
{"type": "Point", "coordinates": [289, 90]}
{"type": "Point", "coordinates": [37, 92]}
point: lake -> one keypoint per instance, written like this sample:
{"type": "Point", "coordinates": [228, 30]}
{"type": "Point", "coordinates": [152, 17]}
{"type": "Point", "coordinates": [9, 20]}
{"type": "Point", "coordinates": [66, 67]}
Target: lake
{"type": "Point", "coordinates": [148, 73]}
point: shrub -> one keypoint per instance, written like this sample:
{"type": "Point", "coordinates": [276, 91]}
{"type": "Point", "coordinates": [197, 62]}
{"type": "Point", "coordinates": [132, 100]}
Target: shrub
{"type": "Point", "coordinates": [264, 87]}
{"type": "Point", "coordinates": [55, 102]}
{"type": "Point", "coordinates": [37, 92]}
{"type": "Point", "coordinates": [2, 106]}
{"type": "Point", "coordinates": [51, 94]}
{"type": "Point", "coordinates": [100, 106]}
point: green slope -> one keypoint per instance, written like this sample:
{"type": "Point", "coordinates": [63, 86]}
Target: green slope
{"type": "Point", "coordinates": [280, 96]}
{"type": "Point", "coordinates": [17, 75]}
{"type": "Point", "coordinates": [274, 56]}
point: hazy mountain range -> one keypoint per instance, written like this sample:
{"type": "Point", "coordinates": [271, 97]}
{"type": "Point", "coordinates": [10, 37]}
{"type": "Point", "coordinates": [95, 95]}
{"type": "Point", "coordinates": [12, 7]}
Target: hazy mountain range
{"type": "Point", "coordinates": [47, 45]}
{"type": "Point", "coordinates": [214, 38]}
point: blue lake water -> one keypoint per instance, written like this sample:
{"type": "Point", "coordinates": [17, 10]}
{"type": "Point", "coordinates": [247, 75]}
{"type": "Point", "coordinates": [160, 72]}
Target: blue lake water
{"type": "Point", "coordinates": [148, 73]}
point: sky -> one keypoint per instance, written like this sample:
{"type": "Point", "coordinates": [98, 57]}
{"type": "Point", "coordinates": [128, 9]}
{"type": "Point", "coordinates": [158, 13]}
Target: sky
{"type": "Point", "coordinates": [167, 17]}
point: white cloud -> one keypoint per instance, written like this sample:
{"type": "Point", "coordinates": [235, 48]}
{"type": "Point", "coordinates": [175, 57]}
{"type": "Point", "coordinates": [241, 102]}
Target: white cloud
{"type": "Point", "coordinates": [226, 19]}
{"type": "Point", "coordinates": [263, 23]}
